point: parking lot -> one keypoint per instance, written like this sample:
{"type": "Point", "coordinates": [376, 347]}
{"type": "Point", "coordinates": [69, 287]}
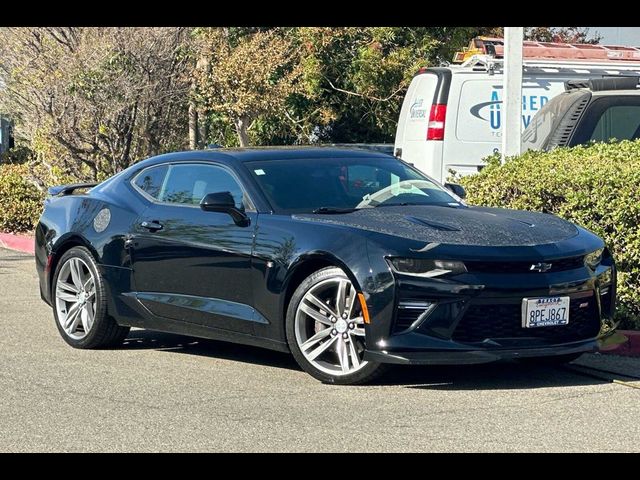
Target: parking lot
{"type": "Point", "coordinates": [160, 392]}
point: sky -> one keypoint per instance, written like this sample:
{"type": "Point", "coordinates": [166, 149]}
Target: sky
{"type": "Point", "coordinates": [628, 36]}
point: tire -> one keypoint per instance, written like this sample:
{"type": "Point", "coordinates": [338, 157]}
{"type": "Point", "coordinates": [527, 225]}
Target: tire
{"type": "Point", "coordinates": [77, 267]}
{"type": "Point", "coordinates": [312, 324]}
{"type": "Point", "coordinates": [552, 360]}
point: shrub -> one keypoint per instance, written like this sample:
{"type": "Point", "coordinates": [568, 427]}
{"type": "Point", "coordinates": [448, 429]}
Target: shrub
{"type": "Point", "coordinates": [20, 201]}
{"type": "Point", "coordinates": [595, 186]}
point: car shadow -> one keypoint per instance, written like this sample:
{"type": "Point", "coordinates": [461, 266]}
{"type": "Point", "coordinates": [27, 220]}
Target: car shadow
{"type": "Point", "coordinates": [495, 376]}
{"type": "Point", "coordinates": [167, 342]}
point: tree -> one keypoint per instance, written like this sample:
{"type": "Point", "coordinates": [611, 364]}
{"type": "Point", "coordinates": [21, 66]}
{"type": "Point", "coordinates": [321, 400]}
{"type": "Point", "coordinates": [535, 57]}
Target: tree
{"type": "Point", "coordinates": [94, 100]}
{"type": "Point", "coordinates": [248, 75]}
{"type": "Point", "coordinates": [555, 34]}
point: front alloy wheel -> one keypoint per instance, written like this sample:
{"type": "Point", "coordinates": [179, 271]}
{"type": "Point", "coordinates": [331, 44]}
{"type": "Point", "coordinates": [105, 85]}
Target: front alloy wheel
{"type": "Point", "coordinates": [325, 329]}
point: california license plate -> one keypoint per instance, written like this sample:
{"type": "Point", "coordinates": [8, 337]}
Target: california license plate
{"type": "Point", "coordinates": [545, 312]}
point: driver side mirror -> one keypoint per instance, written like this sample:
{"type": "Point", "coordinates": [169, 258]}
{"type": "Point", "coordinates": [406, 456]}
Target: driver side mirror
{"type": "Point", "coordinates": [223, 202]}
{"type": "Point", "coordinates": [457, 189]}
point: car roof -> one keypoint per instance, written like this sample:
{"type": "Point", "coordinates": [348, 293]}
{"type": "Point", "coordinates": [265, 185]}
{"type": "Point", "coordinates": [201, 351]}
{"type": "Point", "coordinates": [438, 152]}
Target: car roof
{"type": "Point", "coordinates": [615, 93]}
{"type": "Point", "coordinates": [266, 154]}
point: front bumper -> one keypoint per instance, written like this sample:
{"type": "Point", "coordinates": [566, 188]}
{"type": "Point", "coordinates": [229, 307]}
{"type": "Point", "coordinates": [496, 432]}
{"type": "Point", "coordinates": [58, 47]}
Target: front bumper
{"type": "Point", "coordinates": [476, 356]}
{"type": "Point", "coordinates": [477, 318]}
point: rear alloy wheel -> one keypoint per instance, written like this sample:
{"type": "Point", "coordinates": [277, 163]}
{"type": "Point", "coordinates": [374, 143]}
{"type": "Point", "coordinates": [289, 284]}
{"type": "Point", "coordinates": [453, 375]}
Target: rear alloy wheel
{"type": "Point", "coordinates": [80, 303]}
{"type": "Point", "coordinates": [325, 329]}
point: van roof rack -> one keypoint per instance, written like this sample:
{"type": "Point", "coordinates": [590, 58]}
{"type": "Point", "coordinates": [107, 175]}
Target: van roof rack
{"type": "Point", "coordinates": [494, 46]}
{"type": "Point", "coordinates": [490, 63]}
{"type": "Point", "coordinates": [602, 84]}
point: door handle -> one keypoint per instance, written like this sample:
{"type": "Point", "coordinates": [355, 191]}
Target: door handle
{"type": "Point", "coordinates": [152, 226]}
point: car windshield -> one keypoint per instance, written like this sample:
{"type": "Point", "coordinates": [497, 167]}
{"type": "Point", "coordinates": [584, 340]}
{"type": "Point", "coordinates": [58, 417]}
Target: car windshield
{"type": "Point", "coordinates": [338, 185]}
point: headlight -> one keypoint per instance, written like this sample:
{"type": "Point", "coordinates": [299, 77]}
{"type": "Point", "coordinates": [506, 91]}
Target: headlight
{"type": "Point", "coordinates": [592, 260]}
{"type": "Point", "coordinates": [426, 267]}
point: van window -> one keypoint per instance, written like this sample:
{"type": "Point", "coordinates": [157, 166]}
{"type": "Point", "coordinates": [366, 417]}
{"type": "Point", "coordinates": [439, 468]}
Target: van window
{"type": "Point", "coordinates": [417, 117]}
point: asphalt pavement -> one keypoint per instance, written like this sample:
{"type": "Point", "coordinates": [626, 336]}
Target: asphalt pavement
{"type": "Point", "coordinates": [160, 392]}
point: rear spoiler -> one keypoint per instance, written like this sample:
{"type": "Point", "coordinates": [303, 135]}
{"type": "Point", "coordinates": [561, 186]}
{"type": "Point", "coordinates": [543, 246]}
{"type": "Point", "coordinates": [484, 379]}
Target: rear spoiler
{"type": "Point", "coordinates": [63, 190]}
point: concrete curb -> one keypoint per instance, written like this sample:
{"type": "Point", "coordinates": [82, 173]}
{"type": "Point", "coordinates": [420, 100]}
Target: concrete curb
{"type": "Point", "coordinates": [629, 348]}
{"type": "Point", "coordinates": [21, 243]}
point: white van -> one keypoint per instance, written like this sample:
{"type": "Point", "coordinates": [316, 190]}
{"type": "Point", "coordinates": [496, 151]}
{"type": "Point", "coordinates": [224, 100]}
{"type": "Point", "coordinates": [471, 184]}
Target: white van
{"type": "Point", "coordinates": [450, 117]}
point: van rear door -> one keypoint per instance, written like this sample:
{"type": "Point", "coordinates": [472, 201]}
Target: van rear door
{"type": "Point", "coordinates": [411, 135]}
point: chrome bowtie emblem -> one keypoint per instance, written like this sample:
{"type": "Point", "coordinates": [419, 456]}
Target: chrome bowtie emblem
{"type": "Point", "coordinates": [540, 267]}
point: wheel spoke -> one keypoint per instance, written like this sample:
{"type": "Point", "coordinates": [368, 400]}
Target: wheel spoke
{"type": "Point", "coordinates": [354, 353]}
{"type": "Point", "coordinates": [358, 332]}
{"type": "Point", "coordinates": [315, 339]}
{"type": "Point", "coordinates": [73, 318]}
{"type": "Point", "coordinates": [65, 296]}
{"type": "Point", "coordinates": [311, 298]}
{"type": "Point", "coordinates": [341, 297]}
{"type": "Point", "coordinates": [313, 355]}
{"type": "Point", "coordinates": [316, 315]}
{"type": "Point", "coordinates": [76, 274]}
{"type": "Point", "coordinates": [88, 285]}
{"type": "Point", "coordinates": [352, 302]}
{"type": "Point", "coordinates": [68, 287]}
{"type": "Point", "coordinates": [358, 320]}
{"type": "Point", "coordinates": [343, 356]}
{"type": "Point", "coordinates": [87, 317]}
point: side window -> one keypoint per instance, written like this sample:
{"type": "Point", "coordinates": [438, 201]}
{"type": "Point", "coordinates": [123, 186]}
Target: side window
{"type": "Point", "coordinates": [621, 122]}
{"type": "Point", "coordinates": [150, 180]}
{"type": "Point", "coordinates": [189, 183]}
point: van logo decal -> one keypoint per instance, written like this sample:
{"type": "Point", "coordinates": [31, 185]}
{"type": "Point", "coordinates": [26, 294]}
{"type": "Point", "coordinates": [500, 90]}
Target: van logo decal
{"type": "Point", "coordinates": [417, 110]}
{"type": "Point", "coordinates": [530, 105]}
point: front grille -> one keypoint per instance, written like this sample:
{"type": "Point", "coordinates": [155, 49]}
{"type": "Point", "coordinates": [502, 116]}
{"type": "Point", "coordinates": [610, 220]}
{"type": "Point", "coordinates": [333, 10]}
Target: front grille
{"type": "Point", "coordinates": [558, 265]}
{"type": "Point", "coordinates": [505, 321]}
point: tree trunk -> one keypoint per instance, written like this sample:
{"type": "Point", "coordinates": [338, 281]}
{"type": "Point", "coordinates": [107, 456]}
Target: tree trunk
{"type": "Point", "coordinates": [242, 126]}
{"type": "Point", "coordinates": [193, 126]}
{"type": "Point", "coordinates": [203, 129]}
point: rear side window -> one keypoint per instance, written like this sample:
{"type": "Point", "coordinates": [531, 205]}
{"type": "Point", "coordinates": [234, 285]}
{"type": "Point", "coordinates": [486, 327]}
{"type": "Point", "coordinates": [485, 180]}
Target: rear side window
{"type": "Point", "coordinates": [621, 122]}
{"type": "Point", "coordinates": [151, 180]}
{"type": "Point", "coordinates": [609, 117]}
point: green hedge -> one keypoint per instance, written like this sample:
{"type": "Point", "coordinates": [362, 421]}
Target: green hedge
{"type": "Point", "coordinates": [595, 186]}
{"type": "Point", "coordinates": [20, 201]}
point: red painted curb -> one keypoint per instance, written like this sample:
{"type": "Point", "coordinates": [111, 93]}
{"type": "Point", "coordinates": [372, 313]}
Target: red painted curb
{"type": "Point", "coordinates": [630, 348]}
{"type": "Point", "coordinates": [21, 243]}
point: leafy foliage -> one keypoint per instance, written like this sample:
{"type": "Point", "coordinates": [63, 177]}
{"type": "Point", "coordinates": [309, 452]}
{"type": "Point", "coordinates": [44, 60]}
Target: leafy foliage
{"type": "Point", "coordinates": [594, 186]}
{"type": "Point", "coordinates": [93, 100]}
{"type": "Point", "coordinates": [20, 200]}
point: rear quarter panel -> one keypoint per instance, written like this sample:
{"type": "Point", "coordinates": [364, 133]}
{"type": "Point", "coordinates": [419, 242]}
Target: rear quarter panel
{"type": "Point", "coordinates": [69, 220]}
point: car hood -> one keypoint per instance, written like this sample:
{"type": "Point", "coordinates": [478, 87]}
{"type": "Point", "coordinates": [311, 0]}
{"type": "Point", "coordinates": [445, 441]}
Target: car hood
{"type": "Point", "coordinates": [456, 225]}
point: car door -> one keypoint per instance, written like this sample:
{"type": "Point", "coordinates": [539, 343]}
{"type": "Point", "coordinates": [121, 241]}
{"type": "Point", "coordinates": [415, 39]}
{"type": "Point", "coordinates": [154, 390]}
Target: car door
{"type": "Point", "coordinates": [191, 265]}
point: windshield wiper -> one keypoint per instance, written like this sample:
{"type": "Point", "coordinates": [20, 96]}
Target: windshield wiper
{"type": "Point", "coordinates": [330, 210]}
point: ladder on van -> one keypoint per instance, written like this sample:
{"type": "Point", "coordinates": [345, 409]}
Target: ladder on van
{"type": "Point", "coordinates": [493, 65]}
{"type": "Point", "coordinates": [487, 53]}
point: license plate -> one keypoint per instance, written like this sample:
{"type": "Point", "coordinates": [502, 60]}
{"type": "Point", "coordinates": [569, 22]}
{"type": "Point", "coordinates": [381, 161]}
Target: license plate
{"type": "Point", "coordinates": [545, 312]}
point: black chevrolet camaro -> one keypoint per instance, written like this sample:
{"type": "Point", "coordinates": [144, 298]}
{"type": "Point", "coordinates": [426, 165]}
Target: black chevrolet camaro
{"type": "Point", "coordinates": [348, 259]}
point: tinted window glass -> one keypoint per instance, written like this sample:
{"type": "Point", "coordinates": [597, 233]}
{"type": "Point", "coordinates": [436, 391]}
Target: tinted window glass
{"type": "Point", "coordinates": [151, 179]}
{"type": "Point", "coordinates": [607, 118]}
{"type": "Point", "coordinates": [304, 185]}
{"type": "Point", "coordinates": [189, 183]}
{"type": "Point", "coordinates": [621, 122]}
